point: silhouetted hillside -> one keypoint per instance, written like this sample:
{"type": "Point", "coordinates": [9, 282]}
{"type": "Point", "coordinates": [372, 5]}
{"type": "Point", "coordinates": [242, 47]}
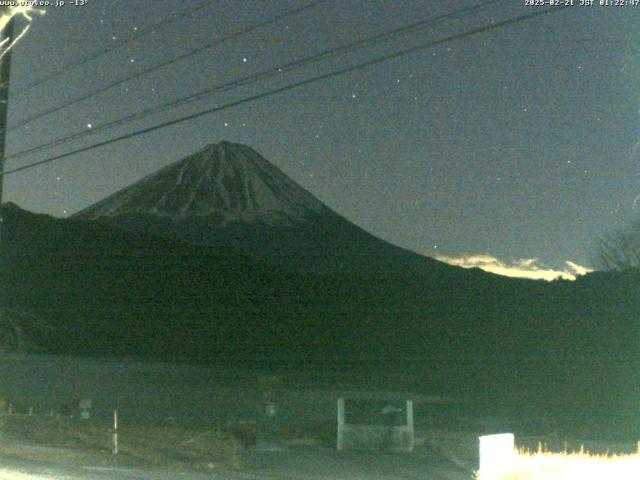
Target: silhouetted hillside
{"type": "Point", "coordinates": [479, 336]}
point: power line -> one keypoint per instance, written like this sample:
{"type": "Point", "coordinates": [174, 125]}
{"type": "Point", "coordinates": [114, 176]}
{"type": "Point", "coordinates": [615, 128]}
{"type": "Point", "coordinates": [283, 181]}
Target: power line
{"type": "Point", "coordinates": [304, 61]}
{"type": "Point", "coordinates": [158, 66]}
{"type": "Point", "coordinates": [114, 46]}
{"type": "Point", "coordinates": [301, 83]}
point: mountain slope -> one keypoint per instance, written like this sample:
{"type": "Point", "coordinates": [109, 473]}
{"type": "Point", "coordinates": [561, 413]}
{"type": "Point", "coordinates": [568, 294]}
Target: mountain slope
{"type": "Point", "coordinates": [229, 195]}
{"type": "Point", "coordinates": [226, 182]}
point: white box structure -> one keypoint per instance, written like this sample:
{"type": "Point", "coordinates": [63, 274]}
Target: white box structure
{"type": "Point", "coordinates": [390, 427]}
{"type": "Point", "coordinates": [497, 454]}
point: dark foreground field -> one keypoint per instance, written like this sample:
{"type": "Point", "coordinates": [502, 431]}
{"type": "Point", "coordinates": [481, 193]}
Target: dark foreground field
{"type": "Point", "coordinates": [53, 447]}
{"type": "Point", "coordinates": [185, 421]}
{"type": "Point", "coordinates": [190, 421]}
{"type": "Point", "coordinates": [35, 447]}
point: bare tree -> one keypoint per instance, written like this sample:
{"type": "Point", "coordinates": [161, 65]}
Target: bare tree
{"type": "Point", "coordinates": [619, 250]}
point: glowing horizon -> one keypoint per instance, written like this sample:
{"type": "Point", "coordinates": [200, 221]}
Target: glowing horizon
{"type": "Point", "coordinates": [522, 268]}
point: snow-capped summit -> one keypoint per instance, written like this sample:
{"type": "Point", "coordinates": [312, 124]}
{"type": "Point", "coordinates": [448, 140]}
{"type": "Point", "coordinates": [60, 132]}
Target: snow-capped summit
{"type": "Point", "coordinates": [228, 182]}
{"type": "Point", "coordinates": [228, 196]}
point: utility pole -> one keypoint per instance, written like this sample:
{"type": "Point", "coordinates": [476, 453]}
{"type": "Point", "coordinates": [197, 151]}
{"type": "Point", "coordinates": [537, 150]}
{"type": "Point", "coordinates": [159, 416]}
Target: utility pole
{"type": "Point", "coordinates": [5, 73]}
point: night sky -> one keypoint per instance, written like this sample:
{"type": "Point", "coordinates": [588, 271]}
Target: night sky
{"type": "Point", "coordinates": [518, 143]}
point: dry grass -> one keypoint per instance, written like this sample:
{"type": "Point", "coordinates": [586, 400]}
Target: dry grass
{"type": "Point", "coordinates": [571, 460]}
{"type": "Point", "coordinates": [69, 440]}
{"type": "Point", "coordinates": [541, 465]}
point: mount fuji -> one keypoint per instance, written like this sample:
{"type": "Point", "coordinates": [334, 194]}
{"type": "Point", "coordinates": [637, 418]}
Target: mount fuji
{"type": "Point", "coordinates": [228, 195]}
{"type": "Point", "coordinates": [226, 183]}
